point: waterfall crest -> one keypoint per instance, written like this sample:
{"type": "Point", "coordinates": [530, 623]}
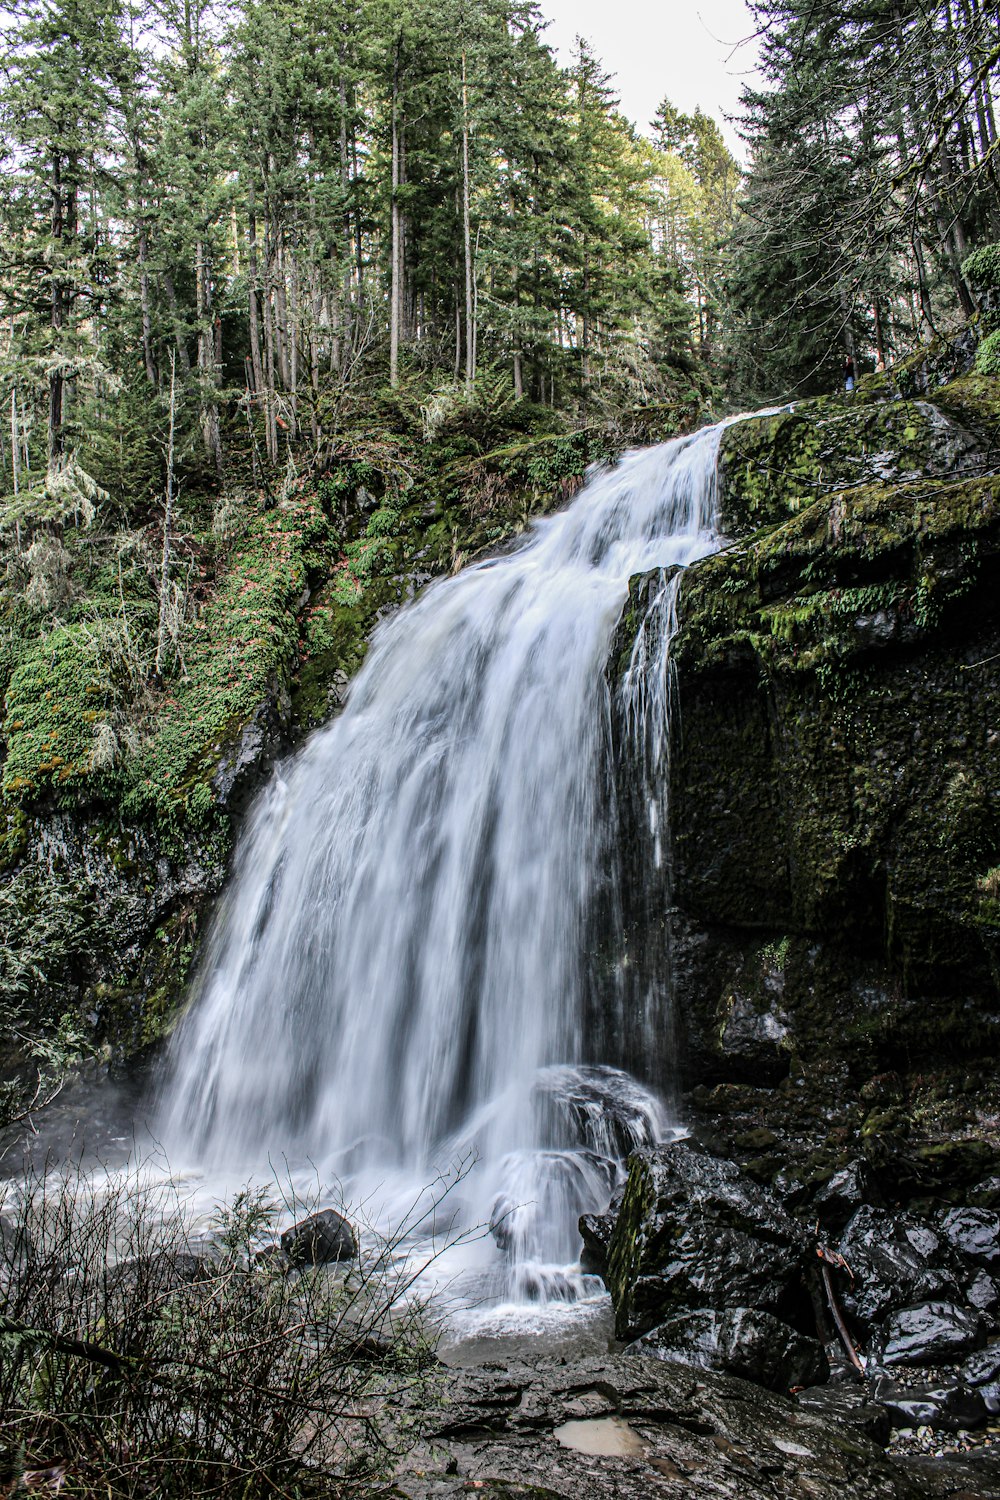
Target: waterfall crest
{"type": "Point", "coordinates": [398, 968]}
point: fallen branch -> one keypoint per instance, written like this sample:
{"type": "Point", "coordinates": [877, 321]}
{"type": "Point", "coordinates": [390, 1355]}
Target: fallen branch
{"type": "Point", "coordinates": [828, 1258]}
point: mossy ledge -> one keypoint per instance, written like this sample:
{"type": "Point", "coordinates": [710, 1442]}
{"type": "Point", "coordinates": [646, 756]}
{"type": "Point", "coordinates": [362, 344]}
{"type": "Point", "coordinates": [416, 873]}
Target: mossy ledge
{"type": "Point", "coordinates": [835, 778]}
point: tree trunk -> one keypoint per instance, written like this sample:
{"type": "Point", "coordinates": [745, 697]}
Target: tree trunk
{"type": "Point", "coordinates": [396, 250]}
{"type": "Point", "coordinates": [147, 335]}
{"type": "Point", "coordinates": [168, 517]}
{"type": "Point", "coordinates": [206, 359]}
{"type": "Point", "coordinates": [470, 335]}
{"type": "Point", "coordinates": [57, 318]}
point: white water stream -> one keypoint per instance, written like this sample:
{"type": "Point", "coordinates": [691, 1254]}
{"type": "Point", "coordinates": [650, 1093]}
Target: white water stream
{"type": "Point", "coordinates": [399, 976]}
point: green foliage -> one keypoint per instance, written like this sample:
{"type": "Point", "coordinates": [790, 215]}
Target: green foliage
{"type": "Point", "coordinates": [56, 701]}
{"type": "Point", "coordinates": [988, 354]}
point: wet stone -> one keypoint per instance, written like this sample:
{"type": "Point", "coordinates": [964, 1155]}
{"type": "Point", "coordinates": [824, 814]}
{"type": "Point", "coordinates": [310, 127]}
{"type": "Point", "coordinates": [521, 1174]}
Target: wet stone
{"type": "Point", "coordinates": [929, 1332]}
{"type": "Point", "coordinates": [975, 1233]}
{"type": "Point", "coordinates": [852, 1404]}
{"type": "Point", "coordinates": [983, 1367]}
{"type": "Point", "coordinates": [739, 1341]}
{"type": "Point", "coordinates": [983, 1294]}
{"type": "Point", "coordinates": [694, 1232]}
{"type": "Point", "coordinates": [843, 1195]}
{"type": "Point", "coordinates": [319, 1240]}
{"type": "Point", "coordinates": [896, 1261]}
{"type": "Point", "coordinates": [951, 1408]}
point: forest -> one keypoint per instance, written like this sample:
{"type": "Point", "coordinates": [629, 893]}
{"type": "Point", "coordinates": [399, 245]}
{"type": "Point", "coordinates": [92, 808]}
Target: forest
{"type": "Point", "coordinates": [218, 218]}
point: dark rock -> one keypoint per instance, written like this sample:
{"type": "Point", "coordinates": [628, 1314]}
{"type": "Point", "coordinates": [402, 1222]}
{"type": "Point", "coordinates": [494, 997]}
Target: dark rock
{"type": "Point", "coordinates": [851, 1404]}
{"type": "Point", "coordinates": [895, 1262]}
{"type": "Point", "coordinates": [954, 1408]}
{"type": "Point", "coordinates": [983, 1367]}
{"type": "Point", "coordinates": [695, 1232]}
{"type": "Point", "coordinates": [983, 1294]}
{"type": "Point", "coordinates": [323, 1237]}
{"type": "Point", "coordinates": [843, 1195]}
{"type": "Point", "coordinates": [596, 1231]}
{"type": "Point", "coordinates": [975, 1233]}
{"type": "Point", "coordinates": [991, 1395]}
{"type": "Point", "coordinates": [754, 1039]}
{"type": "Point", "coordinates": [161, 1273]}
{"type": "Point", "coordinates": [738, 1341]}
{"type": "Point", "coordinates": [929, 1333]}
{"type": "Point", "coordinates": [702, 1435]}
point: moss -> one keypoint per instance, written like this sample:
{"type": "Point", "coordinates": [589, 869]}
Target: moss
{"type": "Point", "coordinates": [775, 466]}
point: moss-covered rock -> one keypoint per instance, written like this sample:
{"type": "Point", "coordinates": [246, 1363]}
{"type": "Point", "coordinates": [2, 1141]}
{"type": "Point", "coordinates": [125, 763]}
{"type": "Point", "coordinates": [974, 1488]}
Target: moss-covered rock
{"type": "Point", "coordinates": [835, 774]}
{"type": "Point", "coordinates": [773, 466]}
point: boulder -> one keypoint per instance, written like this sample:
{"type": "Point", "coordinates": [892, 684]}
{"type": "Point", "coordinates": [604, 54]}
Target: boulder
{"type": "Point", "coordinates": [601, 1109]}
{"type": "Point", "coordinates": [983, 1294]}
{"type": "Point", "coordinates": [849, 1404]}
{"type": "Point", "coordinates": [983, 1367]}
{"type": "Point", "coordinates": [322, 1238]}
{"type": "Point", "coordinates": [738, 1341]}
{"type": "Point", "coordinates": [841, 1197]}
{"type": "Point", "coordinates": [929, 1333]}
{"type": "Point", "coordinates": [896, 1261]}
{"type": "Point", "coordinates": [596, 1231]}
{"type": "Point", "coordinates": [954, 1408]}
{"type": "Point", "coordinates": [975, 1233]}
{"type": "Point", "coordinates": [694, 1232]}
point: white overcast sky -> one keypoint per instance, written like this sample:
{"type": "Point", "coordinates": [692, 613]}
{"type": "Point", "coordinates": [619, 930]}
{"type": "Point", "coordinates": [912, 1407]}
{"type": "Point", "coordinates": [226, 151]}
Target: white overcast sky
{"type": "Point", "coordinates": [687, 49]}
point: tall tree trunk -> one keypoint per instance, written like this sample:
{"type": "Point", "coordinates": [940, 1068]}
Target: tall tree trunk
{"type": "Point", "coordinates": [147, 334]}
{"type": "Point", "coordinates": [254, 302]}
{"type": "Point", "coordinates": [271, 421]}
{"type": "Point", "coordinates": [206, 359]}
{"type": "Point", "coordinates": [57, 318]}
{"type": "Point", "coordinates": [168, 521]}
{"type": "Point", "coordinates": [470, 333]}
{"type": "Point", "coordinates": [396, 250]}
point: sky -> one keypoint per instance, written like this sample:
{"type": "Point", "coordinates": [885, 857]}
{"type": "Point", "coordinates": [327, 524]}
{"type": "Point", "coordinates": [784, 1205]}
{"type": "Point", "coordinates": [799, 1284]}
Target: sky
{"type": "Point", "coordinates": [688, 50]}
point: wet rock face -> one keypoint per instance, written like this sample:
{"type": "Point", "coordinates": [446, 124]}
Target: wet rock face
{"type": "Point", "coordinates": [931, 1332]}
{"type": "Point", "coordinates": [695, 1233]}
{"type": "Point", "coordinates": [833, 792]}
{"type": "Point", "coordinates": [895, 1261]}
{"type": "Point", "coordinates": [738, 1341]}
{"type": "Point", "coordinates": [690, 1434]}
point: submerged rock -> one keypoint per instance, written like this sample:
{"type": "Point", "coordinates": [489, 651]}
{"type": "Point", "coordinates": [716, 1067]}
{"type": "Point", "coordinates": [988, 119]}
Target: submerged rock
{"type": "Point", "coordinates": [322, 1238]}
{"type": "Point", "coordinates": [694, 1232]}
{"type": "Point", "coordinates": [739, 1341]}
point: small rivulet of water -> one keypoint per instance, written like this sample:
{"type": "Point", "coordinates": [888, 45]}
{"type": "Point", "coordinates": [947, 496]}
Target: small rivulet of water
{"type": "Point", "coordinates": [397, 977]}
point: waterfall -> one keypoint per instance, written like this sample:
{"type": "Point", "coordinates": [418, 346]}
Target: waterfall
{"type": "Point", "coordinates": [398, 971]}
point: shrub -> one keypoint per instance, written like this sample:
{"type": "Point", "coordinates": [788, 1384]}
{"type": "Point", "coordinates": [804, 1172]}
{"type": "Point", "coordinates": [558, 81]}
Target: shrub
{"type": "Point", "coordinates": [140, 1360]}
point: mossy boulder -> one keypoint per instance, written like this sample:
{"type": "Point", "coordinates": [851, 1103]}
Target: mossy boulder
{"type": "Point", "coordinates": [772, 466]}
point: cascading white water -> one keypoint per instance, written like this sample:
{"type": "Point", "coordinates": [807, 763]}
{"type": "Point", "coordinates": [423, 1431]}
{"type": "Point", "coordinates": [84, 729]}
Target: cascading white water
{"type": "Point", "coordinates": [398, 971]}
